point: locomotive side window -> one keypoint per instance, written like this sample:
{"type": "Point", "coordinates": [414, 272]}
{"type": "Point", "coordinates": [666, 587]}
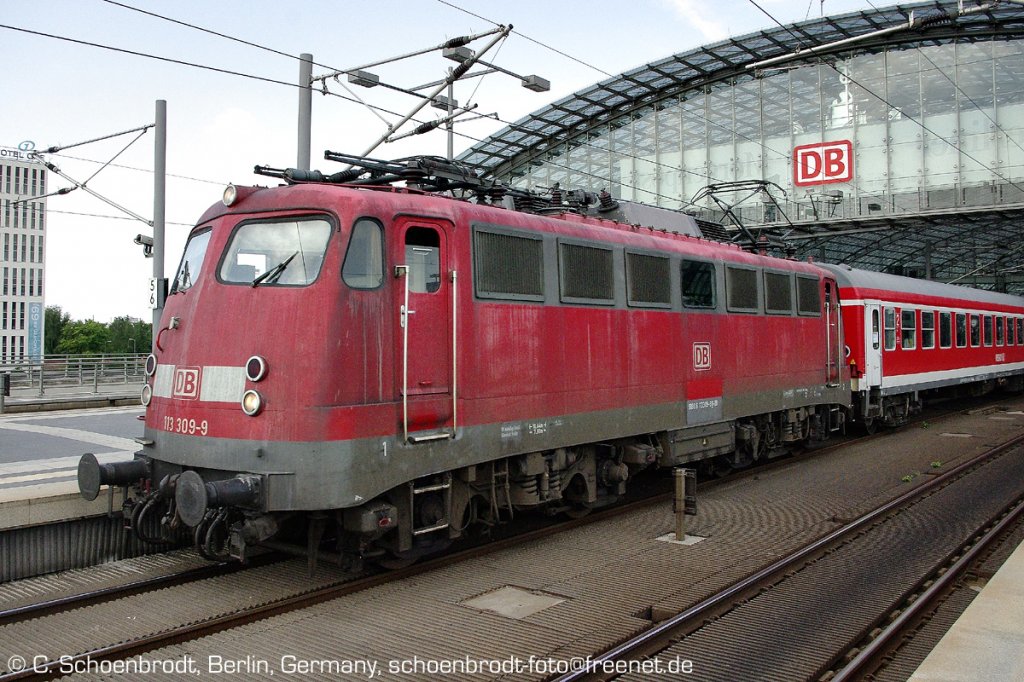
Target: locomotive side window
{"type": "Point", "coordinates": [890, 329]}
{"type": "Point", "coordinates": [927, 329]}
{"type": "Point", "coordinates": [698, 284]}
{"type": "Point", "coordinates": [191, 261]}
{"type": "Point", "coordinates": [276, 252]}
{"type": "Point", "coordinates": [586, 274]}
{"type": "Point", "coordinates": [778, 293]}
{"type": "Point", "coordinates": [961, 330]}
{"type": "Point", "coordinates": [808, 295]}
{"type": "Point", "coordinates": [908, 335]}
{"type": "Point", "coordinates": [988, 330]}
{"type": "Point", "coordinates": [648, 280]}
{"type": "Point", "coordinates": [508, 265]}
{"type": "Point", "coordinates": [364, 261]}
{"type": "Point", "coordinates": [741, 289]}
{"type": "Point", "coordinates": [945, 330]}
{"type": "Point", "coordinates": [423, 256]}
{"type": "Point", "coordinates": [999, 331]}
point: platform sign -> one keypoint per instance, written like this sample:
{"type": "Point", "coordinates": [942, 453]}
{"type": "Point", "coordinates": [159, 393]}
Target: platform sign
{"type": "Point", "coordinates": [823, 163]}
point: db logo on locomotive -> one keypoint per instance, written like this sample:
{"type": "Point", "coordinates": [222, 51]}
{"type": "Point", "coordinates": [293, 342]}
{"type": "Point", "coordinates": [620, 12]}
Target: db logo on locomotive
{"type": "Point", "coordinates": [186, 382]}
{"type": "Point", "coordinates": [702, 356]}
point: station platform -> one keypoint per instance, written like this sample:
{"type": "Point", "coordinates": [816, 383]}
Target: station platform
{"type": "Point", "coordinates": [39, 453]}
{"type": "Point", "coordinates": [987, 641]}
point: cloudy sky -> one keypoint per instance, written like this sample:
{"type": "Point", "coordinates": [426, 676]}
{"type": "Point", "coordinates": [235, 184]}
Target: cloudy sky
{"type": "Point", "coordinates": [63, 84]}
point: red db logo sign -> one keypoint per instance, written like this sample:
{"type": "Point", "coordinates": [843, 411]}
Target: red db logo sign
{"type": "Point", "coordinates": [823, 163]}
{"type": "Point", "coordinates": [186, 383]}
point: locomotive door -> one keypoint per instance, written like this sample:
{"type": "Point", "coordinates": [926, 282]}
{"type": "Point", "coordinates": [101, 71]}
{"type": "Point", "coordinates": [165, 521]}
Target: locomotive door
{"type": "Point", "coordinates": [833, 334]}
{"type": "Point", "coordinates": [425, 309]}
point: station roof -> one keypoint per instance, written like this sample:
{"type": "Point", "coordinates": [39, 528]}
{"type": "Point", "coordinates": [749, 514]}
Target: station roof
{"type": "Point", "coordinates": [977, 237]}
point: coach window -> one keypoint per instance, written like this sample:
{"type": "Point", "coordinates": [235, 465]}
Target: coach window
{"type": "Point", "coordinates": [1020, 331]}
{"type": "Point", "coordinates": [364, 262]}
{"type": "Point", "coordinates": [778, 293]}
{"type": "Point", "coordinates": [961, 330]}
{"type": "Point", "coordinates": [586, 274]}
{"type": "Point", "coordinates": [508, 266]}
{"type": "Point", "coordinates": [874, 329]}
{"type": "Point", "coordinates": [698, 284]}
{"type": "Point", "coordinates": [975, 331]}
{"type": "Point", "coordinates": [890, 329]}
{"type": "Point", "coordinates": [945, 330]}
{"type": "Point", "coordinates": [741, 289]}
{"type": "Point", "coordinates": [908, 335]}
{"type": "Point", "coordinates": [648, 281]}
{"type": "Point", "coordinates": [927, 329]}
{"type": "Point", "coordinates": [1009, 331]}
{"type": "Point", "coordinates": [999, 331]}
{"type": "Point", "coordinates": [988, 330]}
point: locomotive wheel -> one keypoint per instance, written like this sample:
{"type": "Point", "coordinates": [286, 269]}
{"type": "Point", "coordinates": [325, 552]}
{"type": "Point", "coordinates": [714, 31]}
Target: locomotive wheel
{"type": "Point", "coordinates": [870, 425]}
{"type": "Point", "coordinates": [576, 496]}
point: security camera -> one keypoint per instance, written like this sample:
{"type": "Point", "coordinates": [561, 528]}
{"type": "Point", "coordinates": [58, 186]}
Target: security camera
{"type": "Point", "coordinates": [146, 243]}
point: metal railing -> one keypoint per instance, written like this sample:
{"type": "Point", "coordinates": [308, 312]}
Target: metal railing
{"type": "Point", "coordinates": [86, 372]}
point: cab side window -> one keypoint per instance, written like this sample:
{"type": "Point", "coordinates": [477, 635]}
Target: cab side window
{"type": "Point", "coordinates": [364, 261]}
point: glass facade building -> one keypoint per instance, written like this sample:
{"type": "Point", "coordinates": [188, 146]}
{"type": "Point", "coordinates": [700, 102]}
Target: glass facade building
{"type": "Point", "coordinates": [910, 125]}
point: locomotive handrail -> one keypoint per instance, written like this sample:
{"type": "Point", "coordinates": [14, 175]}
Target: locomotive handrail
{"type": "Point", "coordinates": [403, 319]}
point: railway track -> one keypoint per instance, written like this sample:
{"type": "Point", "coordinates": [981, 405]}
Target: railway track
{"type": "Point", "coordinates": [834, 609]}
{"type": "Point", "coordinates": [207, 619]}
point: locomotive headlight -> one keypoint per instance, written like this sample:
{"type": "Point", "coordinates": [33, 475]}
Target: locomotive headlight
{"type": "Point", "coordinates": [147, 395]}
{"type": "Point", "coordinates": [255, 368]}
{"type": "Point", "coordinates": [252, 403]}
{"type": "Point", "coordinates": [230, 195]}
{"type": "Point", "coordinates": [150, 365]}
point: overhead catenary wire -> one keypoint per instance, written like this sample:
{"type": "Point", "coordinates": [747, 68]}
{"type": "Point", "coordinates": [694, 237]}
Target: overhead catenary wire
{"type": "Point", "coordinates": [296, 85]}
{"type": "Point", "coordinates": [462, 135]}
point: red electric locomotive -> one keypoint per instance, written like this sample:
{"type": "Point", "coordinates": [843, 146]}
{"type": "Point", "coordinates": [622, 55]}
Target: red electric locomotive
{"type": "Point", "coordinates": [909, 339]}
{"type": "Point", "coordinates": [384, 367]}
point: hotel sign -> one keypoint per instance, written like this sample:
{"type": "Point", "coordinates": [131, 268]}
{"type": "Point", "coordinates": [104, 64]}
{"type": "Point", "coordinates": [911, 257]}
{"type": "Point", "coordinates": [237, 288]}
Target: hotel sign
{"type": "Point", "coordinates": [823, 163]}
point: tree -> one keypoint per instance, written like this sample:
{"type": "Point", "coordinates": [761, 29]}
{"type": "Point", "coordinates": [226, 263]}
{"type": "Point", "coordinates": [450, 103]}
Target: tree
{"type": "Point", "coordinates": [56, 320]}
{"type": "Point", "coordinates": [84, 338]}
{"type": "Point", "coordinates": [130, 335]}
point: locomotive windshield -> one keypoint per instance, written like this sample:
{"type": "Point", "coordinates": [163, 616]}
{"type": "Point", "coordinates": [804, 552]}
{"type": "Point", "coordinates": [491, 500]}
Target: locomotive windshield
{"type": "Point", "coordinates": [192, 261]}
{"type": "Point", "coordinates": [269, 253]}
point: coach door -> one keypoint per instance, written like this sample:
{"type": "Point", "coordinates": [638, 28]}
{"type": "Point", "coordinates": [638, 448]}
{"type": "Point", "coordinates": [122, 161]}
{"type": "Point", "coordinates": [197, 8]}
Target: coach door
{"type": "Point", "coordinates": [872, 346]}
{"type": "Point", "coordinates": [425, 309]}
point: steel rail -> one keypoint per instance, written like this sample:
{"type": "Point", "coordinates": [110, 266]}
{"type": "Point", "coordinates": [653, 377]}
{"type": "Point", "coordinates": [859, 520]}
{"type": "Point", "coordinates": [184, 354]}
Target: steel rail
{"type": "Point", "coordinates": [888, 639]}
{"type": "Point", "coordinates": [58, 604]}
{"type": "Point", "coordinates": [776, 569]}
{"type": "Point", "coordinates": [192, 631]}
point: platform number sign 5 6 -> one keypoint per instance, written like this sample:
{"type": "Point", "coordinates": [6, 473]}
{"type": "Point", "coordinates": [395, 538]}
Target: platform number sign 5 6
{"type": "Point", "coordinates": [701, 356]}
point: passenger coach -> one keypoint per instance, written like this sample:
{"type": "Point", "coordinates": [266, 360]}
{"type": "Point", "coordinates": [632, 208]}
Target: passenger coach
{"type": "Point", "coordinates": [908, 339]}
